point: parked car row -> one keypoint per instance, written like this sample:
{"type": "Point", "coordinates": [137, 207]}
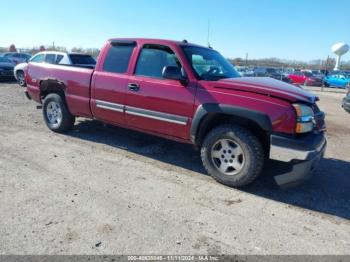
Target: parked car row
{"type": "Point", "coordinates": [300, 77]}
{"type": "Point", "coordinates": [271, 72]}
{"type": "Point", "coordinates": [263, 72]}
{"type": "Point", "coordinates": [13, 65]}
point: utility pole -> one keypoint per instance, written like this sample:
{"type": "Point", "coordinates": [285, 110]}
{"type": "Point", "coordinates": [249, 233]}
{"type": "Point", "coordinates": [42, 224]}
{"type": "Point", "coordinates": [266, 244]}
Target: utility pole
{"type": "Point", "coordinates": [246, 61]}
{"type": "Point", "coordinates": [208, 35]}
{"type": "Point", "coordinates": [325, 73]}
{"type": "Point", "coordinates": [326, 64]}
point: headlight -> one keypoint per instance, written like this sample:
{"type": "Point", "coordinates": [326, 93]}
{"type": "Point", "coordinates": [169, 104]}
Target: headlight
{"type": "Point", "coordinates": [305, 118]}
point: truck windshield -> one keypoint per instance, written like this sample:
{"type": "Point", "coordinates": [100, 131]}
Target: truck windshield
{"type": "Point", "coordinates": [82, 59]}
{"type": "Point", "coordinates": [209, 64]}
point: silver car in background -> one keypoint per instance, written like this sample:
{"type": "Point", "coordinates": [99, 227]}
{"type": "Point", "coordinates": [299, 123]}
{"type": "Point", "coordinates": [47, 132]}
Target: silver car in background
{"type": "Point", "coordinates": [54, 57]}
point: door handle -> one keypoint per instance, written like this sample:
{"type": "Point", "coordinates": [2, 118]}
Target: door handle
{"type": "Point", "coordinates": [133, 87]}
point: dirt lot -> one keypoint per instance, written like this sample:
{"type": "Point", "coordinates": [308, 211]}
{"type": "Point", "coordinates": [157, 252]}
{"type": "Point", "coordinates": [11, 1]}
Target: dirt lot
{"type": "Point", "coordinates": [104, 190]}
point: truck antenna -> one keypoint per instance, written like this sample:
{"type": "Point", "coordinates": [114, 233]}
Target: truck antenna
{"type": "Point", "coordinates": [208, 35]}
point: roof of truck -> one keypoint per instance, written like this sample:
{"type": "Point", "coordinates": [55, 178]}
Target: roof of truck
{"type": "Point", "coordinates": [157, 41]}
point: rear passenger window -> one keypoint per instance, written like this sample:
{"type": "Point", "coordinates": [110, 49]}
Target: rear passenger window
{"type": "Point", "coordinates": [50, 58]}
{"type": "Point", "coordinates": [58, 59]}
{"type": "Point", "coordinates": [117, 59]}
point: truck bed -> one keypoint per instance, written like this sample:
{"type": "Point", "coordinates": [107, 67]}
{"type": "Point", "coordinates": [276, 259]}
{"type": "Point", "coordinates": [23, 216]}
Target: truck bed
{"type": "Point", "coordinates": [75, 82]}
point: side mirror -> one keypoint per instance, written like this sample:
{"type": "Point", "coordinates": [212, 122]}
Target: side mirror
{"type": "Point", "coordinates": [172, 72]}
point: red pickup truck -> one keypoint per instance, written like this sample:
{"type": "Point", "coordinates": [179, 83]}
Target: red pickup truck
{"type": "Point", "coordinates": [191, 94]}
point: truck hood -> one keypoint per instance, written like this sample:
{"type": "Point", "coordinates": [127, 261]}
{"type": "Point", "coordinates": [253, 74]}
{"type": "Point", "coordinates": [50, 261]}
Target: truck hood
{"type": "Point", "coordinates": [267, 86]}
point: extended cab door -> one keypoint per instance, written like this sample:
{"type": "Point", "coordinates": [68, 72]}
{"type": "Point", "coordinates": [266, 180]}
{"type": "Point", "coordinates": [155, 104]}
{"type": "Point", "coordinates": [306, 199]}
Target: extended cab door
{"type": "Point", "coordinates": [110, 81]}
{"type": "Point", "coordinates": [156, 104]}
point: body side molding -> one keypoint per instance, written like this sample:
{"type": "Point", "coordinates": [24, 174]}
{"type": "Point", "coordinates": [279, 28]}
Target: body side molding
{"type": "Point", "coordinates": [176, 119]}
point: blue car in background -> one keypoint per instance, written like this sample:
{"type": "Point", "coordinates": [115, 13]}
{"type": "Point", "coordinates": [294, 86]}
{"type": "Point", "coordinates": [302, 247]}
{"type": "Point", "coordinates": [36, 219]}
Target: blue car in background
{"type": "Point", "coordinates": [337, 80]}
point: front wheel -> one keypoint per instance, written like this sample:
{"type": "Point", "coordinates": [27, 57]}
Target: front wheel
{"type": "Point", "coordinates": [232, 155]}
{"type": "Point", "coordinates": [56, 114]}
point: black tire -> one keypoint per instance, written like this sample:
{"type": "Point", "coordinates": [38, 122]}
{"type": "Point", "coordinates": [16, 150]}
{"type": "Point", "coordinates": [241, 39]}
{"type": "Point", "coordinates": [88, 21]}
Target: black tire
{"type": "Point", "coordinates": [252, 150]}
{"type": "Point", "coordinates": [65, 122]}
{"type": "Point", "coordinates": [21, 78]}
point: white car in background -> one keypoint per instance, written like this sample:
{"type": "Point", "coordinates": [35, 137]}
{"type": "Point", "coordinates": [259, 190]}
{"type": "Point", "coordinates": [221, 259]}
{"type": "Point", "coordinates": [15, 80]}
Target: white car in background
{"type": "Point", "coordinates": [54, 57]}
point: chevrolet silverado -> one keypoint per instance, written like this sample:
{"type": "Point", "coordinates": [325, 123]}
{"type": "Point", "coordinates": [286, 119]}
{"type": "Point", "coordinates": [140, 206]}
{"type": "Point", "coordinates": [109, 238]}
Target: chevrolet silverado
{"type": "Point", "coordinates": [190, 94]}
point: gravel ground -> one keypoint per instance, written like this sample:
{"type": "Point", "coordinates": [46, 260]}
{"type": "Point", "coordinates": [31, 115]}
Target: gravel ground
{"type": "Point", "coordinates": [106, 190]}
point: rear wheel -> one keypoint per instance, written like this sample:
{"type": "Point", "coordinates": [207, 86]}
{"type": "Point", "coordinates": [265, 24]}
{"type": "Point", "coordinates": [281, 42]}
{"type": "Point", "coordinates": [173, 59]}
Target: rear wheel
{"type": "Point", "coordinates": [21, 78]}
{"type": "Point", "coordinates": [232, 155]}
{"type": "Point", "coordinates": [56, 114]}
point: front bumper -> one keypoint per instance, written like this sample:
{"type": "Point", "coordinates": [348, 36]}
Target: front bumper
{"type": "Point", "coordinates": [303, 154]}
{"type": "Point", "coordinates": [6, 74]}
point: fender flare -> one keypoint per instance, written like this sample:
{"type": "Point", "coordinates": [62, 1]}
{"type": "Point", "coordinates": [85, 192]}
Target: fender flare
{"type": "Point", "coordinates": [203, 110]}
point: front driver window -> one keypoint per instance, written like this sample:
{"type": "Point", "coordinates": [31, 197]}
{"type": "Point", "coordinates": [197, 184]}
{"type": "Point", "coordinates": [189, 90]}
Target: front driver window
{"type": "Point", "coordinates": [153, 59]}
